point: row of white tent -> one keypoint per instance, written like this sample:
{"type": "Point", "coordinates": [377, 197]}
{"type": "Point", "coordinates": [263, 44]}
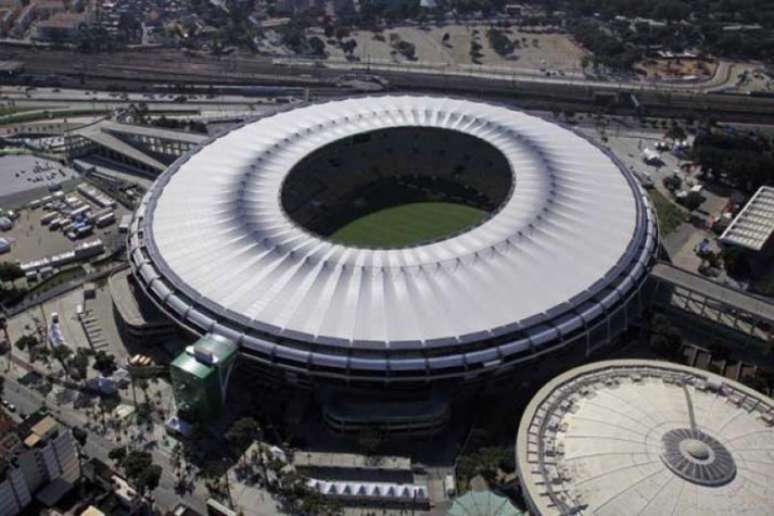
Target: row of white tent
{"type": "Point", "coordinates": [377, 491]}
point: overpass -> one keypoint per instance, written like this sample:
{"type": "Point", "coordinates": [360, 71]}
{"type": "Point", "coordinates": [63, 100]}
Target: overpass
{"type": "Point", "coordinates": [151, 149]}
{"type": "Point", "coordinates": [730, 312]}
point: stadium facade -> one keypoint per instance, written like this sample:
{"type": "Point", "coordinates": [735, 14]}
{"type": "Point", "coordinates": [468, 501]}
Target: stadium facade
{"type": "Point", "coordinates": [233, 239]}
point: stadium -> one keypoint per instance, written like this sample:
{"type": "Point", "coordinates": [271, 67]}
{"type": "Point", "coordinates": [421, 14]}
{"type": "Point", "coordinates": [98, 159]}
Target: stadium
{"type": "Point", "coordinates": [401, 240]}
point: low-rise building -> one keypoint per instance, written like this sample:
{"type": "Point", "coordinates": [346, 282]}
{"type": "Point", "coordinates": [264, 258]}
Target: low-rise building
{"type": "Point", "coordinates": [60, 27]}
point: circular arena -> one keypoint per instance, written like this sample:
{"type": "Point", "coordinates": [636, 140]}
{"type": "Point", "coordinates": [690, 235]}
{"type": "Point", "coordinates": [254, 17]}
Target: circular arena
{"type": "Point", "coordinates": [396, 239]}
{"type": "Point", "coordinates": [646, 437]}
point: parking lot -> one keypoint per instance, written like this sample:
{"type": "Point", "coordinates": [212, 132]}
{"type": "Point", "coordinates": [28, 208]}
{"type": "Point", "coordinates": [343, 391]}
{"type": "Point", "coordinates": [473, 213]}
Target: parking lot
{"type": "Point", "coordinates": [32, 240]}
{"type": "Point", "coordinates": [23, 177]}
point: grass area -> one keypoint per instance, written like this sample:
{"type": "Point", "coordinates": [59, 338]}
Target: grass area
{"type": "Point", "coordinates": [57, 279]}
{"type": "Point", "coordinates": [12, 110]}
{"type": "Point", "coordinates": [406, 225]}
{"type": "Point", "coordinates": [670, 216]}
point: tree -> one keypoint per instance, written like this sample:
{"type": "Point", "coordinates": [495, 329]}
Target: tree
{"type": "Point", "coordinates": [81, 435]}
{"type": "Point", "coordinates": [341, 33]}
{"type": "Point", "coordinates": [104, 362]}
{"type": "Point", "coordinates": [486, 461]}
{"type": "Point", "coordinates": [693, 200]}
{"type": "Point", "coordinates": [500, 42]}
{"type": "Point", "coordinates": [736, 262]}
{"type": "Point", "coordinates": [135, 463]}
{"type": "Point", "coordinates": [148, 480]}
{"type": "Point", "coordinates": [317, 45]}
{"type": "Point", "coordinates": [79, 363]}
{"type": "Point", "coordinates": [107, 405]}
{"type": "Point", "coordinates": [242, 433]}
{"type": "Point", "coordinates": [62, 353]}
{"type": "Point", "coordinates": [140, 470]}
{"type": "Point", "coordinates": [349, 46]}
{"type": "Point", "coordinates": [676, 132]}
{"type": "Point", "coordinates": [673, 182]}
{"type": "Point", "coordinates": [117, 454]}
{"type": "Point", "coordinates": [26, 342]}
{"type": "Point", "coordinates": [10, 271]}
{"type": "Point", "coordinates": [293, 36]}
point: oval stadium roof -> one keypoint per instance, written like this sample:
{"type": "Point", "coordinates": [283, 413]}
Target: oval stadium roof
{"type": "Point", "coordinates": [217, 234]}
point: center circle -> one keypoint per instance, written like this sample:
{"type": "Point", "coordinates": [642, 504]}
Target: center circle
{"type": "Point", "coordinates": [397, 187]}
{"type": "Point", "coordinates": [696, 449]}
{"type": "Point", "coordinates": [697, 457]}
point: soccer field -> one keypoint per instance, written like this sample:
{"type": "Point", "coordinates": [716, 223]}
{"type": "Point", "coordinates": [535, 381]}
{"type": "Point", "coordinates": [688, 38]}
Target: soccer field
{"type": "Point", "coordinates": [407, 225]}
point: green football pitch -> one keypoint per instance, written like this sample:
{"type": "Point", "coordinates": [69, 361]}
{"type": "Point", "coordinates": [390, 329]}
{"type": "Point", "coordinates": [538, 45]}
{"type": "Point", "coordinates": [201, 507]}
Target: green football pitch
{"type": "Point", "coordinates": [407, 225]}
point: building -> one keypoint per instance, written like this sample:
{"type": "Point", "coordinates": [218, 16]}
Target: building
{"type": "Point", "coordinates": [372, 493]}
{"type": "Point", "coordinates": [23, 21]}
{"type": "Point", "coordinates": [393, 469]}
{"type": "Point", "coordinates": [60, 27]}
{"type": "Point", "coordinates": [244, 252]}
{"type": "Point", "coordinates": [43, 464]}
{"type": "Point", "coordinates": [751, 233]}
{"type": "Point", "coordinates": [7, 17]}
{"type": "Point", "coordinates": [199, 378]}
{"type": "Point", "coordinates": [137, 317]}
{"type": "Point", "coordinates": [646, 437]}
{"type": "Point", "coordinates": [483, 503]}
{"type": "Point", "coordinates": [753, 227]}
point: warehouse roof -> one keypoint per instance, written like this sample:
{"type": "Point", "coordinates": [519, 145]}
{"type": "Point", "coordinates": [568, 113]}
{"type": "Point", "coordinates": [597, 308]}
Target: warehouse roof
{"type": "Point", "coordinates": [754, 225]}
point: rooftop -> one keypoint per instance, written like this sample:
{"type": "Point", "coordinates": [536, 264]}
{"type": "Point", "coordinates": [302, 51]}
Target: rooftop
{"type": "Point", "coordinates": [190, 365]}
{"type": "Point", "coordinates": [207, 234]}
{"type": "Point", "coordinates": [483, 503]}
{"type": "Point", "coordinates": [647, 437]}
{"type": "Point", "coordinates": [350, 461]}
{"type": "Point", "coordinates": [754, 225]}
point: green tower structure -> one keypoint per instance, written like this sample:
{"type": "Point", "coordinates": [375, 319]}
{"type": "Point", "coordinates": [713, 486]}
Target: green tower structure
{"type": "Point", "coordinates": [200, 377]}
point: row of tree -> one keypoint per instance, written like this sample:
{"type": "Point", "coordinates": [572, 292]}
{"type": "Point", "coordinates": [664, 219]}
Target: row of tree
{"type": "Point", "coordinates": [741, 160]}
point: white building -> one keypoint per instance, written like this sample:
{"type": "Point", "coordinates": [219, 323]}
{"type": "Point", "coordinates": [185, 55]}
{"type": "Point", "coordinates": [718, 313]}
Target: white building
{"type": "Point", "coordinates": [557, 264]}
{"type": "Point", "coordinates": [646, 437]}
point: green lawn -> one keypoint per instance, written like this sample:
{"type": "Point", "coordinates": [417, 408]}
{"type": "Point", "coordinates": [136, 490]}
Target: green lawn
{"type": "Point", "coordinates": [406, 225]}
{"type": "Point", "coordinates": [670, 216]}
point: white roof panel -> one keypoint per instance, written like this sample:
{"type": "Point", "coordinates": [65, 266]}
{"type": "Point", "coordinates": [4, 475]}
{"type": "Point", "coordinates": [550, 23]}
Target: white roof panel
{"type": "Point", "coordinates": [216, 231]}
{"type": "Point", "coordinates": [754, 225]}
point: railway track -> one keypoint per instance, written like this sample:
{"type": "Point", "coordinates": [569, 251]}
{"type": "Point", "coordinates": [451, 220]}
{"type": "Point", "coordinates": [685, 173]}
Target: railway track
{"type": "Point", "coordinates": [122, 71]}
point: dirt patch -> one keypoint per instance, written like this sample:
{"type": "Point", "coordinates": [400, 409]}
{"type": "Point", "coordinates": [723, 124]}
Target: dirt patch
{"type": "Point", "coordinates": [450, 46]}
{"type": "Point", "coordinates": [677, 69]}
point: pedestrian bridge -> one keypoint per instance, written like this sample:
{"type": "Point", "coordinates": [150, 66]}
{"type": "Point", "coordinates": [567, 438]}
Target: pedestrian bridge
{"type": "Point", "coordinates": [730, 310]}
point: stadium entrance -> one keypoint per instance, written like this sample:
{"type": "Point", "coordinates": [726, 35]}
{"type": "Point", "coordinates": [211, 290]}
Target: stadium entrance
{"type": "Point", "coordinates": [397, 187]}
